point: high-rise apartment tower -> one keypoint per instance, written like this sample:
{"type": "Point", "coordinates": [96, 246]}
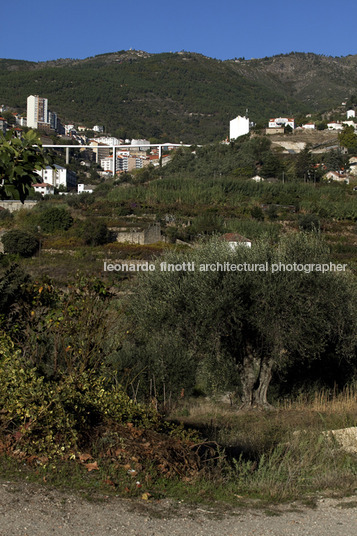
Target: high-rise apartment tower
{"type": "Point", "coordinates": [37, 112]}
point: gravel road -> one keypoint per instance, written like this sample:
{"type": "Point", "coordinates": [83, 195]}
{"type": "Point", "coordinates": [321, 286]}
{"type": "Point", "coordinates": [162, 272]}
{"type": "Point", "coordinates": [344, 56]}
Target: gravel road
{"type": "Point", "coordinates": [31, 510]}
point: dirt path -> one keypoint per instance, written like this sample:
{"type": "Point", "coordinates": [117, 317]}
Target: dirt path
{"type": "Point", "coordinates": [29, 510]}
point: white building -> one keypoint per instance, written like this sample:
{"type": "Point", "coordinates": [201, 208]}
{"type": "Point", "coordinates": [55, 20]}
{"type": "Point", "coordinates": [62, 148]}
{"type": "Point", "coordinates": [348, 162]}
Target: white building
{"type": "Point", "coordinates": [68, 129]}
{"type": "Point", "coordinates": [235, 240]}
{"type": "Point", "coordinates": [279, 122]}
{"type": "Point", "coordinates": [238, 127]}
{"type": "Point", "coordinates": [37, 112]}
{"type": "Point", "coordinates": [350, 124]}
{"type": "Point", "coordinates": [85, 188]}
{"type": "Point", "coordinates": [107, 163]}
{"type": "Point", "coordinates": [350, 113]}
{"type": "Point", "coordinates": [58, 176]}
{"type": "Point", "coordinates": [309, 126]}
{"type": "Point", "coordinates": [98, 128]}
{"type": "Point", "coordinates": [336, 176]}
{"type": "Point", "coordinates": [44, 188]}
{"type": "Point", "coordinates": [124, 162]}
{"type": "Point", "coordinates": [335, 125]}
{"type": "Point", "coordinates": [143, 144]}
{"type": "Point", "coordinates": [20, 120]}
{"type": "Point", "coordinates": [108, 140]}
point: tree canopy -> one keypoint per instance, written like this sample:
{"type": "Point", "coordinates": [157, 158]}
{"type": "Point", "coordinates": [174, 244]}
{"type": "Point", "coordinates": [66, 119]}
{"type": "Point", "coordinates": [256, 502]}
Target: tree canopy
{"type": "Point", "coordinates": [255, 320]}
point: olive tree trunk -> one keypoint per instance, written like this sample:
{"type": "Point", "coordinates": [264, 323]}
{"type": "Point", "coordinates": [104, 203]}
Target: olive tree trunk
{"type": "Point", "coordinates": [255, 376]}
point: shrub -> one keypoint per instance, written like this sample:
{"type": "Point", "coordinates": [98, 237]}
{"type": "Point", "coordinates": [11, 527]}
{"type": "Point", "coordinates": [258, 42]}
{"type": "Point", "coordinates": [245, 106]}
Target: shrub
{"type": "Point", "coordinates": [80, 201]}
{"type": "Point", "coordinates": [309, 222]}
{"type": "Point", "coordinates": [20, 243]}
{"type": "Point", "coordinates": [55, 417]}
{"type": "Point", "coordinates": [5, 215]}
{"type": "Point", "coordinates": [55, 219]}
{"type": "Point", "coordinates": [257, 213]}
{"type": "Point", "coordinates": [95, 233]}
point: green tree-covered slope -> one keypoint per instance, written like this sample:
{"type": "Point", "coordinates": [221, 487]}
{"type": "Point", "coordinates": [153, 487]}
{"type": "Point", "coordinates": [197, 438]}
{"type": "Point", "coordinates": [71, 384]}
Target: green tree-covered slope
{"type": "Point", "coordinates": [180, 96]}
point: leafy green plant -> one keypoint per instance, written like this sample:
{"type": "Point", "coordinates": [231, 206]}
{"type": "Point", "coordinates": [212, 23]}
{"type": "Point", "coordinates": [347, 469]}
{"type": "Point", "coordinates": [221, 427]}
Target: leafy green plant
{"type": "Point", "coordinates": [21, 243]}
{"type": "Point", "coordinates": [53, 417]}
{"type": "Point", "coordinates": [54, 219]}
{"type": "Point", "coordinates": [19, 160]}
{"type": "Point", "coordinates": [257, 320]}
{"type": "Point", "coordinates": [5, 216]}
{"type": "Point", "coordinates": [309, 222]}
{"type": "Point", "coordinates": [95, 233]}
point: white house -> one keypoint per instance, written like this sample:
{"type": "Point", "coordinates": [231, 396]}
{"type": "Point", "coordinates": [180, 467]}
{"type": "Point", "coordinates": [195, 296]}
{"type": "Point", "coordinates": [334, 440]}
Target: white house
{"type": "Point", "coordinates": [279, 122]}
{"type": "Point", "coordinates": [44, 188]}
{"type": "Point", "coordinates": [336, 176]}
{"type": "Point", "coordinates": [350, 113]}
{"type": "Point", "coordinates": [85, 188]}
{"type": "Point", "coordinates": [238, 127]}
{"type": "Point", "coordinates": [335, 125]}
{"type": "Point", "coordinates": [234, 240]}
{"type": "Point", "coordinates": [309, 126]}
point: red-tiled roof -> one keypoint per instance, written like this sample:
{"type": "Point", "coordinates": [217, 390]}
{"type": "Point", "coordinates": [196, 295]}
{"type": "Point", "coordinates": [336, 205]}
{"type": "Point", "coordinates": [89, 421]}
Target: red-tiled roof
{"type": "Point", "coordinates": [234, 237]}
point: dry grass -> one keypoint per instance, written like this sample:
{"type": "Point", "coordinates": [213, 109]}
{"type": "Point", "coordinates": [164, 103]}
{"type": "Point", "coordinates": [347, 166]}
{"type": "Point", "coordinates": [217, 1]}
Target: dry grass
{"type": "Point", "coordinates": [284, 452]}
{"type": "Point", "coordinates": [325, 401]}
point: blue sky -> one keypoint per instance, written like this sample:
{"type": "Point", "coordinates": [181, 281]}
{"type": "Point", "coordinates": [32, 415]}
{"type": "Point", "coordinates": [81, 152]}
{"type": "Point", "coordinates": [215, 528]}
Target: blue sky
{"type": "Point", "coordinates": [40, 30]}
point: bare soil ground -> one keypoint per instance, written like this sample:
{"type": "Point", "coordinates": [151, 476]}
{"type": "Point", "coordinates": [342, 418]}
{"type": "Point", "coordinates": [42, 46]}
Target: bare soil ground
{"type": "Point", "coordinates": [32, 510]}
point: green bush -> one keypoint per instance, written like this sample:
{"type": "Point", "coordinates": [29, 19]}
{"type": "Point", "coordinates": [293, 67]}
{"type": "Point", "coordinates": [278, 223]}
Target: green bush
{"type": "Point", "coordinates": [95, 233]}
{"type": "Point", "coordinates": [5, 215]}
{"type": "Point", "coordinates": [309, 222]}
{"type": "Point", "coordinates": [55, 219]}
{"type": "Point", "coordinates": [20, 243]}
{"type": "Point", "coordinates": [56, 417]}
{"type": "Point", "coordinates": [257, 213]}
{"type": "Point", "coordinates": [80, 201]}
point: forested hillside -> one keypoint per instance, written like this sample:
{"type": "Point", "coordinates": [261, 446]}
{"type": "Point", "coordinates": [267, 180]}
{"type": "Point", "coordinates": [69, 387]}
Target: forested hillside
{"type": "Point", "coordinates": [178, 96]}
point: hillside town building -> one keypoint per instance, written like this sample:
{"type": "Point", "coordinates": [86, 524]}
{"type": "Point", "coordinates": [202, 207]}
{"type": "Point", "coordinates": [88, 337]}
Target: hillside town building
{"type": "Point", "coordinates": [44, 188]}
{"type": "Point", "coordinates": [238, 127]}
{"type": "Point", "coordinates": [37, 112]}
{"type": "Point", "coordinates": [281, 122]}
{"type": "Point", "coordinates": [58, 176]}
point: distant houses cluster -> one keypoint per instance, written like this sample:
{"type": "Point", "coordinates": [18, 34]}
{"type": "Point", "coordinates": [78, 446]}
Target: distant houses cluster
{"type": "Point", "coordinates": [104, 149]}
{"type": "Point", "coordinates": [239, 126]}
{"type": "Point", "coordinates": [134, 154]}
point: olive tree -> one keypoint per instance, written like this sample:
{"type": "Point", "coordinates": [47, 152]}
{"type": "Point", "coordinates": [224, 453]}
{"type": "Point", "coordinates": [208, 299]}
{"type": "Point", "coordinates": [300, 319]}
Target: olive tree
{"type": "Point", "coordinates": [257, 317]}
{"type": "Point", "coordinates": [17, 242]}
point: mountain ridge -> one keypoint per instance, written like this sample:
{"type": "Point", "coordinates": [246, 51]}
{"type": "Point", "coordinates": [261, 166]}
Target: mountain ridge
{"type": "Point", "coordinates": [179, 95]}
